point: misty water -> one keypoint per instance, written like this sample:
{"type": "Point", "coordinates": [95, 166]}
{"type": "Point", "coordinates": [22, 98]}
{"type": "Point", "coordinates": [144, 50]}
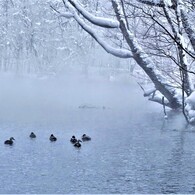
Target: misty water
{"type": "Point", "coordinates": [133, 149]}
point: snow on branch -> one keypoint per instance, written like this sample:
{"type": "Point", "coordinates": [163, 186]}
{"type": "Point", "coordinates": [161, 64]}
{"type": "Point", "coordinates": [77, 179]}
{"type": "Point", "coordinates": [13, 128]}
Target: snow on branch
{"type": "Point", "coordinates": [149, 92]}
{"type": "Point", "coordinates": [190, 107]}
{"type": "Point", "coordinates": [155, 97]}
{"type": "Point", "coordinates": [99, 21]}
{"type": "Point", "coordinates": [66, 14]}
{"type": "Point", "coordinates": [122, 53]}
{"type": "Point", "coordinates": [159, 3]}
{"type": "Point", "coordinates": [159, 100]}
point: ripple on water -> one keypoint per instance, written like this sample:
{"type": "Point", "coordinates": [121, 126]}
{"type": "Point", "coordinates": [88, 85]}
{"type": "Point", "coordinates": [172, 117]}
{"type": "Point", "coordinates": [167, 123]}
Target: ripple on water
{"type": "Point", "coordinates": [132, 150]}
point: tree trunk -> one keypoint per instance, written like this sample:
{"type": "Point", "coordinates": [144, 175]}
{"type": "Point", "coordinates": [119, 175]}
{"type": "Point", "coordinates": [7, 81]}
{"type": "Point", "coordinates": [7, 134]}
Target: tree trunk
{"type": "Point", "coordinates": [188, 28]}
{"type": "Point", "coordinates": [144, 61]}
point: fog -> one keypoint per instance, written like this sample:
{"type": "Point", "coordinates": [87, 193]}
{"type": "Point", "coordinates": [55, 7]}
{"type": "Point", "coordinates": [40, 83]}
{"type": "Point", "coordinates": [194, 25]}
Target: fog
{"type": "Point", "coordinates": [35, 99]}
{"type": "Point", "coordinates": [133, 148]}
{"type": "Point", "coordinates": [55, 79]}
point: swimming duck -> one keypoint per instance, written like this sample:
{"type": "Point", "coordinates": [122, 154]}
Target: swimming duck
{"type": "Point", "coordinates": [86, 137]}
{"type": "Point", "coordinates": [73, 139]}
{"type": "Point", "coordinates": [52, 138]}
{"type": "Point", "coordinates": [77, 144]}
{"type": "Point", "coordinates": [10, 141]}
{"type": "Point", "coordinates": [32, 135]}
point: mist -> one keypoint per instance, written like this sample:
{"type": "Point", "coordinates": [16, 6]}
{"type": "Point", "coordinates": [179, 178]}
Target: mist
{"type": "Point", "coordinates": [70, 68]}
{"type": "Point", "coordinates": [37, 99]}
{"type": "Point", "coordinates": [129, 135]}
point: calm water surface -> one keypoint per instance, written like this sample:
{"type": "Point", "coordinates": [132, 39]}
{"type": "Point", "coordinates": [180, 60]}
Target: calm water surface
{"type": "Point", "coordinates": [133, 150]}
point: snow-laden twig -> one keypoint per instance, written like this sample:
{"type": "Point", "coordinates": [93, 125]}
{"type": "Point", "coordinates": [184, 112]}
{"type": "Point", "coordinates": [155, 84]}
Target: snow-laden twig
{"type": "Point", "coordinates": [159, 100]}
{"type": "Point", "coordinates": [149, 92]}
{"type": "Point", "coordinates": [98, 21]}
{"type": "Point", "coordinates": [164, 109]}
{"type": "Point", "coordinates": [66, 14]}
{"type": "Point", "coordinates": [159, 3]}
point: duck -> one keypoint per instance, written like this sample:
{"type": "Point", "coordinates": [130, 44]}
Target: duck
{"type": "Point", "coordinates": [32, 135]}
{"type": "Point", "coordinates": [9, 141]}
{"type": "Point", "coordinates": [77, 144]}
{"type": "Point", "coordinates": [52, 138]}
{"type": "Point", "coordinates": [73, 139]}
{"type": "Point", "coordinates": [85, 137]}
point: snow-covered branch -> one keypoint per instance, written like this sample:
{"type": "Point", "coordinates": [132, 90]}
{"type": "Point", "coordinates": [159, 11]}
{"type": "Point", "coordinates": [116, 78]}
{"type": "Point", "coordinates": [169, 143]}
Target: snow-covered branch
{"type": "Point", "coordinates": [65, 14]}
{"type": "Point", "coordinates": [159, 100]}
{"type": "Point", "coordinates": [188, 28]}
{"type": "Point", "coordinates": [99, 21]}
{"type": "Point", "coordinates": [122, 53]}
{"type": "Point", "coordinates": [158, 3]}
{"type": "Point", "coordinates": [151, 94]}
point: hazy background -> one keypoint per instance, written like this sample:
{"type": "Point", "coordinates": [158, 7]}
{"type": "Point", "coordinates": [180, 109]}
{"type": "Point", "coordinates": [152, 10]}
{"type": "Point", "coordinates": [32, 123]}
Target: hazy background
{"type": "Point", "coordinates": [133, 148]}
{"type": "Point", "coordinates": [32, 99]}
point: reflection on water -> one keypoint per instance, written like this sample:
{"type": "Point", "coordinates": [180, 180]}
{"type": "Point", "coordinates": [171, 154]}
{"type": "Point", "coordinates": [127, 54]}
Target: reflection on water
{"type": "Point", "coordinates": [133, 149]}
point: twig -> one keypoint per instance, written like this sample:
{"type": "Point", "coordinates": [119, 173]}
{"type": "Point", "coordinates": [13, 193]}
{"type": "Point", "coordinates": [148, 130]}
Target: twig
{"type": "Point", "coordinates": [164, 109]}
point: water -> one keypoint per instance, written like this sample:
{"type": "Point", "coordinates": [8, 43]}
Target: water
{"type": "Point", "coordinates": [133, 150]}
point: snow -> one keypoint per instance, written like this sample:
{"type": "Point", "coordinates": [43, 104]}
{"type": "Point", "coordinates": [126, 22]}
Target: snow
{"type": "Point", "coordinates": [191, 113]}
{"type": "Point", "coordinates": [178, 95]}
{"type": "Point", "coordinates": [191, 99]}
{"type": "Point", "coordinates": [190, 107]}
{"type": "Point", "coordinates": [158, 97]}
{"type": "Point", "coordinates": [122, 53]}
{"type": "Point", "coordinates": [149, 91]}
{"type": "Point", "coordinates": [100, 21]}
{"type": "Point", "coordinates": [67, 15]}
{"type": "Point", "coordinates": [166, 2]}
{"type": "Point", "coordinates": [62, 48]}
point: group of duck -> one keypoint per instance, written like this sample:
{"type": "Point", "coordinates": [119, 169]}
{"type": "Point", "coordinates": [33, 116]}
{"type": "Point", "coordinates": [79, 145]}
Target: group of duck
{"type": "Point", "coordinates": [52, 138]}
{"type": "Point", "coordinates": [76, 141]}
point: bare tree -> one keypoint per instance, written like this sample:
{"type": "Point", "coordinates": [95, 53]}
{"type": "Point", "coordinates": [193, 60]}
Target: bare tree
{"type": "Point", "coordinates": [131, 47]}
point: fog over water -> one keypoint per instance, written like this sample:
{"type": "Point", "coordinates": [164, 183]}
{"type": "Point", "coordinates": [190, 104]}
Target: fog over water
{"type": "Point", "coordinates": [133, 149]}
{"type": "Point", "coordinates": [34, 100]}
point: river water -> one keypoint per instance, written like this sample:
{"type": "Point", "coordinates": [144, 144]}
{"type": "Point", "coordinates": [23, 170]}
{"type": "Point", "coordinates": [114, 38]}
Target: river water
{"type": "Point", "coordinates": [133, 149]}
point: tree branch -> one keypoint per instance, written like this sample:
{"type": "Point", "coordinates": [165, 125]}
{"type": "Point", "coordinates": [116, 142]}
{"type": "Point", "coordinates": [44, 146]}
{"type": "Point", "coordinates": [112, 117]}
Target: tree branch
{"type": "Point", "coordinates": [66, 15]}
{"type": "Point", "coordinates": [152, 3]}
{"type": "Point", "coordinates": [122, 53]}
{"type": "Point", "coordinates": [98, 21]}
{"type": "Point", "coordinates": [171, 36]}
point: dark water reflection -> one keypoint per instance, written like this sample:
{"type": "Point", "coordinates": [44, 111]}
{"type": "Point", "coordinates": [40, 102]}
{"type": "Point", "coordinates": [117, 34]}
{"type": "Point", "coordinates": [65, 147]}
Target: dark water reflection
{"type": "Point", "coordinates": [133, 150]}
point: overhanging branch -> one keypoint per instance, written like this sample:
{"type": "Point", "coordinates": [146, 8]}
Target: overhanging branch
{"type": "Point", "coordinates": [122, 53]}
{"type": "Point", "coordinates": [98, 21]}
